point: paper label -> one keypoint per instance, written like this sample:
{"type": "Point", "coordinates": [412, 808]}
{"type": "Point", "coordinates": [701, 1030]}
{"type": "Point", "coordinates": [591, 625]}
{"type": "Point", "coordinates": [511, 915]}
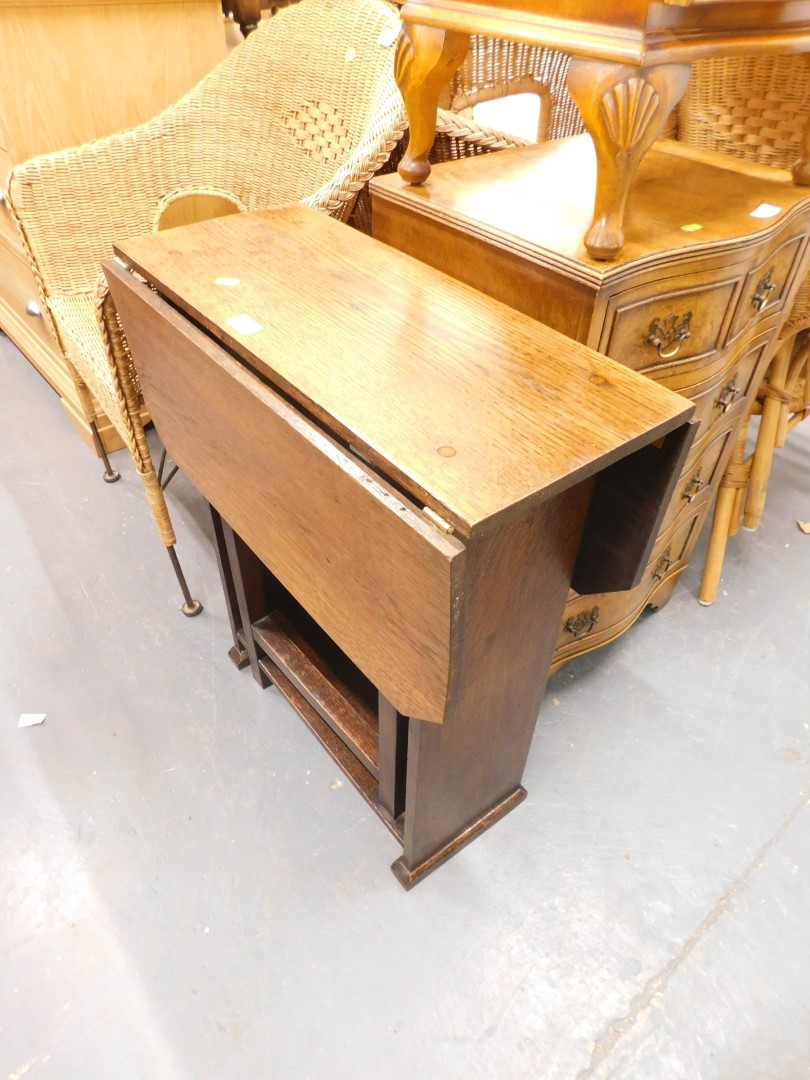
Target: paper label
{"type": "Point", "coordinates": [244, 324]}
{"type": "Point", "coordinates": [28, 719]}
{"type": "Point", "coordinates": [766, 210]}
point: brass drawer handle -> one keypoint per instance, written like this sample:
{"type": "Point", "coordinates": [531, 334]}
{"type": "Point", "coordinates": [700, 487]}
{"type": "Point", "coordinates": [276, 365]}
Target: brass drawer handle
{"type": "Point", "coordinates": [582, 624]}
{"type": "Point", "coordinates": [693, 488]}
{"type": "Point", "coordinates": [32, 308]}
{"type": "Point", "coordinates": [728, 395]}
{"type": "Point", "coordinates": [762, 297]}
{"type": "Point", "coordinates": [664, 564]}
{"type": "Point", "coordinates": [668, 336]}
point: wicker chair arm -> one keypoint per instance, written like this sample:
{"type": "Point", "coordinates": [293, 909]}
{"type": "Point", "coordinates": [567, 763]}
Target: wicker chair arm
{"type": "Point", "coordinates": [337, 196]}
{"type": "Point", "coordinates": [70, 206]}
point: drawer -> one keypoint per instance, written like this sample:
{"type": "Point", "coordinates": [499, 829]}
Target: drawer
{"type": "Point", "coordinates": [19, 290]}
{"type": "Point", "coordinates": [596, 619]}
{"type": "Point", "coordinates": [334, 542]}
{"type": "Point", "coordinates": [674, 548]}
{"type": "Point", "coordinates": [766, 286]}
{"type": "Point", "coordinates": [720, 390]}
{"type": "Point", "coordinates": [649, 327]}
{"type": "Point", "coordinates": [701, 474]}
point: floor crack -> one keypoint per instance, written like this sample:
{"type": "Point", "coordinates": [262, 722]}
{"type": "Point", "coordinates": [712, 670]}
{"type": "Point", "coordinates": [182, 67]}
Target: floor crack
{"type": "Point", "coordinates": [616, 1029]}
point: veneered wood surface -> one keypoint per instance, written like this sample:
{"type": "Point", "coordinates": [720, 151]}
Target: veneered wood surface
{"type": "Point", "coordinates": [382, 583]}
{"type": "Point", "coordinates": [471, 406]}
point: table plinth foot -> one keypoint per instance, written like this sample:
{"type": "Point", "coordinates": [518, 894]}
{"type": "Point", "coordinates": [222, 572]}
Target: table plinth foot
{"type": "Point", "coordinates": [408, 876]}
{"type": "Point", "coordinates": [238, 657]}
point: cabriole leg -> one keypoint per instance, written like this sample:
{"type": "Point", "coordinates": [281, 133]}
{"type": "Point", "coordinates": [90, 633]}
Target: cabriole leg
{"type": "Point", "coordinates": [426, 60]}
{"type": "Point", "coordinates": [624, 110]}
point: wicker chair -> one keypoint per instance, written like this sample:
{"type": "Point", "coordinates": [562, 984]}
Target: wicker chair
{"type": "Point", "coordinates": [266, 127]}
{"type": "Point", "coordinates": [754, 108]}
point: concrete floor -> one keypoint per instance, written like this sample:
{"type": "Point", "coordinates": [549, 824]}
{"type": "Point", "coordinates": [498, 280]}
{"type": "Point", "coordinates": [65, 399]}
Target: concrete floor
{"type": "Point", "coordinates": [190, 891]}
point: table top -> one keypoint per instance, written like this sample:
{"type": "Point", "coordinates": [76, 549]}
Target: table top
{"type": "Point", "coordinates": [631, 31]}
{"type": "Point", "coordinates": [473, 408]}
{"type": "Point", "coordinates": [541, 198]}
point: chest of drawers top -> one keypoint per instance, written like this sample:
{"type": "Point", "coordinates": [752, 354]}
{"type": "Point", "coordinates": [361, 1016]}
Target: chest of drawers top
{"type": "Point", "coordinates": [536, 202]}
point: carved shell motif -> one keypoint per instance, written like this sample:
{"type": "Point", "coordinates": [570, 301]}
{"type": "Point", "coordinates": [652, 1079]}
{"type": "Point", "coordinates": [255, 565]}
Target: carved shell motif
{"type": "Point", "coordinates": [628, 109]}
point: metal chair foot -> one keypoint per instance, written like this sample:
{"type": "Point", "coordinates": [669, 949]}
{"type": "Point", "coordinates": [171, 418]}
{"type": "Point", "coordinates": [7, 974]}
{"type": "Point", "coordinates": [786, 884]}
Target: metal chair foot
{"type": "Point", "coordinates": [110, 475]}
{"type": "Point", "coordinates": [191, 607]}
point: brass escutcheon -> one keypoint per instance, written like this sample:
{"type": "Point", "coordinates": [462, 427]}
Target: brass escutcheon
{"type": "Point", "coordinates": [582, 624]}
{"type": "Point", "coordinates": [668, 336]}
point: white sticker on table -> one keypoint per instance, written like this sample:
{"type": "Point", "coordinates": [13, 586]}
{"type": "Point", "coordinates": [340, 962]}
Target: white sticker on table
{"type": "Point", "coordinates": [244, 324]}
{"type": "Point", "coordinates": [766, 210]}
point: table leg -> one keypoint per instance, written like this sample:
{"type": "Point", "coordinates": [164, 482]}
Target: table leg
{"type": "Point", "coordinates": [624, 109]}
{"type": "Point", "coordinates": [465, 774]}
{"type": "Point", "coordinates": [237, 653]}
{"type": "Point", "coordinates": [426, 60]}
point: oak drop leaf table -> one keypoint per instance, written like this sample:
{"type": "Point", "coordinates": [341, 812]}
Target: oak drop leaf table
{"type": "Point", "coordinates": [630, 68]}
{"type": "Point", "coordinates": [405, 476]}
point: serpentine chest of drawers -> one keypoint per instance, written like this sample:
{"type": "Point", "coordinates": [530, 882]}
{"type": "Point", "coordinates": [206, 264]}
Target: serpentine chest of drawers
{"type": "Point", "coordinates": [713, 257]}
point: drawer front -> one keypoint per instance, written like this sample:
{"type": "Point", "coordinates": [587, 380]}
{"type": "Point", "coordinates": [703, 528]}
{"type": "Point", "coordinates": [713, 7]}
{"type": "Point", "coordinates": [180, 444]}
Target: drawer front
{"type": "Point", "coordinates": [701, 474]}
{"type": "Point", "coordinates": [19, 290]}
{"type": "Point", "coordinates": [767, 285]}
{"type": "Point", "coordinates": [382, 582]}
{"type": "Point", "coordinates": [596, 619]}
{"type": "Point", "coordinates": [721, 393]}
{"type": "Point", "coordinates": [646, 328]}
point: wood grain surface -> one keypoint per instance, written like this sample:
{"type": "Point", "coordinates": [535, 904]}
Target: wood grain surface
{"type": "Point", "coordinates": [542, 197]}
{"type": "Point", "coordinates": [475, 409]}
{"type": "Point", "coordinates": [381, 581]}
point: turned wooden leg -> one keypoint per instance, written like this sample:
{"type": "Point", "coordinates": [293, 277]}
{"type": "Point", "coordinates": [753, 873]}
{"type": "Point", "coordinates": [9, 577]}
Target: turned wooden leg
{"type": "Point", "coordinates": [801, 170]}
{"type": "Point", "coordinates": [624, 110]}
{"type": "Point", "coordinates": [723, 523]}
{"type": "Point", "coordinates": [774, 394]}
{"type": "Point", "coordinates": [426, 60]}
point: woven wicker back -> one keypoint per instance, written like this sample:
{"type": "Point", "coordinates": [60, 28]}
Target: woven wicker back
{"type": "Point", "coordinates": [270, 125]}
{"type": "Point", "coordinates": [753, 107]}
{"type": "Point", "coordinates": [495, 64]}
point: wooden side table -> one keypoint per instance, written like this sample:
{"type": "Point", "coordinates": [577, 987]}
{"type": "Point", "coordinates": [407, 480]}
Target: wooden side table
{"type": "Point", "coordinates": [631, 67]}
{"type": "Point", "coordinates": [406, 476]}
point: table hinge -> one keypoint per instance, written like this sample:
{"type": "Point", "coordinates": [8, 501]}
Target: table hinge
{"type": "Point", "coordinates": [439, 522]}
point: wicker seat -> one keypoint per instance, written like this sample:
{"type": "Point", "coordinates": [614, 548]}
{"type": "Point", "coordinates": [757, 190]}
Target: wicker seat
{"type": "Point", "coordinates": [755, 108]}
{"type": "Point", "coordinates": [268, 126]}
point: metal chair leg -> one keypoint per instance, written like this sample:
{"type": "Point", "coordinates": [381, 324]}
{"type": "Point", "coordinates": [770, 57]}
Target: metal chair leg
{"type": "Point", "coordinates": [110, 475]}
{"type": "Point", "coordinates": [191, 607]}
